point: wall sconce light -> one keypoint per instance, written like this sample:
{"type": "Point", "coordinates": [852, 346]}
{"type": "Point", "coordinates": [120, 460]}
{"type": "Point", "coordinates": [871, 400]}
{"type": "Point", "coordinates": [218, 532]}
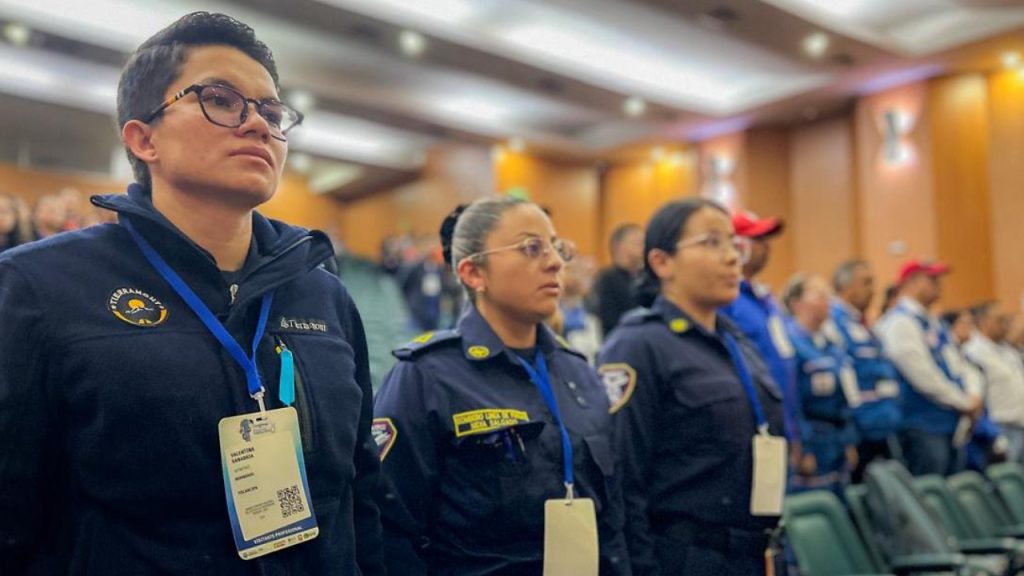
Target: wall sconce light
{"type": "Point", "coordinates": [718, 185]}
{"type": "Point", "coordinates": [896, 127]}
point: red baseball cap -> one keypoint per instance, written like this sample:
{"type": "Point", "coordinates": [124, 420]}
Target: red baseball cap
{"type": "Point", "coordinates": [927, 267]}
{"type": "Point", "coordinates": [749, 225]}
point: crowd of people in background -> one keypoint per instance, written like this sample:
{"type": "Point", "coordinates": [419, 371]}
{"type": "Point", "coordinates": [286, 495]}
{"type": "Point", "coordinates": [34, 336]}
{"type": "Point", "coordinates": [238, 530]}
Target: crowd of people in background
{"type": "Point", "coordinates": [21, 222]}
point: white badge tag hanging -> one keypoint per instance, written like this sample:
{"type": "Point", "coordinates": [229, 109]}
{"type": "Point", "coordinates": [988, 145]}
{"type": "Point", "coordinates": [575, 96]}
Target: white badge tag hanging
{"type": "Point", "coordinates": [769, 483]}
{"type": "Point", "coordinates": [851, 390]}
{"type": "Point", "coordinates": [265, 482]}
{"type": "Point", "coordinates": [570, 537]}
{"type": "Point", "coordinates": [779, 337]}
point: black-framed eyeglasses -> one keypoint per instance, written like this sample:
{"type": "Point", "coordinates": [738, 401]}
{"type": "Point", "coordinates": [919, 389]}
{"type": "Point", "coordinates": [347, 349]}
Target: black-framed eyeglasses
{"type": "Point", "coordinates": [227, 107]}
{"type": "Point", "coordinates": [536, 247]}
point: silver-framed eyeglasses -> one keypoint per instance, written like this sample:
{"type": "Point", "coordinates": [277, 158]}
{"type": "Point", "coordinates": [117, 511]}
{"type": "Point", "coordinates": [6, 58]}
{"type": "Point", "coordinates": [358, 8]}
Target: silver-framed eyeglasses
{"type": "Point", "coordinates": [227, 107]}
{"type": "Point", "coordinates": [535, 248]}
{"type": "Point", "coordinates": [719, 243]}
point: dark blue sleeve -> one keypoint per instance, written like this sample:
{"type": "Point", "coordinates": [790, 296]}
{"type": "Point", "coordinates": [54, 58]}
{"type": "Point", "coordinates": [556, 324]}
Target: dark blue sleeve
{"type": "Point", "coordinates": [410, 466]}
{"type": "Point", "coordinates": [366, 515]}
{"type": "Point", "coordinates": [633, 435]}
{"type": "Point", "coordinates": [29, 458]}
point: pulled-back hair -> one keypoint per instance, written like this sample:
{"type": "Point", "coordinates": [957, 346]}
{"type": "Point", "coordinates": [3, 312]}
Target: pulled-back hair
{"type": "Point", "coordinates": [663, 232]}
{"type": "Point", "coordinates": [464, 232]}
{"type": "Point", "coordinates": [157, 63]}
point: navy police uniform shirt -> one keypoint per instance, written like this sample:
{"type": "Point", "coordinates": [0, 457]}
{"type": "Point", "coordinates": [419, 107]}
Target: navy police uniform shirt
{"type": "Point", "coordinates": [683, 426]}
{"type": "Point", "coordinates": [470, 452]}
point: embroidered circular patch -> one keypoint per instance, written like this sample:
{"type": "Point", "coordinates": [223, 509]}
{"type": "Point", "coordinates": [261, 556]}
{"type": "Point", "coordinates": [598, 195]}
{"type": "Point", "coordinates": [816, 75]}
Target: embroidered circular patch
{"type": "Point", "coordinates": [137, 307]}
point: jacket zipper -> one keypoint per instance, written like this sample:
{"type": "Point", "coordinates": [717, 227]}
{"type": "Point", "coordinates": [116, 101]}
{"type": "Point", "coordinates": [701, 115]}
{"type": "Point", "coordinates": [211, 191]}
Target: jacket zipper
{"type": "Point", "coordinates": [302, 407]}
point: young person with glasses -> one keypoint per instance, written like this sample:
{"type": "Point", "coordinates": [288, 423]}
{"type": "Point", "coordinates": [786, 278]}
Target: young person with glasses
{"type": "Point", "coordinates": [482, 428]}
{"type": "Point", "coordinates": [694, 407]}
{"type": "Point", "coordinates": [187, 391]}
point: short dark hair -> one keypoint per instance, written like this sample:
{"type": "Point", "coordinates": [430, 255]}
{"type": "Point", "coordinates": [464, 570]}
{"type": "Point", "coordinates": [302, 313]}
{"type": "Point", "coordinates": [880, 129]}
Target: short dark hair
{"type": "Point", "coordinates": [982, 309]}
{"type": "Point", "coordinates": [619, 234]}
{"type": "Point", "coordinates": [157, 62]}
{"type": "Point", "coordinates": [793, 291]}
{"type": "Point", "coordinates": [664, 230]}
{"type": "Point", "coordinates": [949, 317]}
{"type": "Point", "coordinates": [843, 274]}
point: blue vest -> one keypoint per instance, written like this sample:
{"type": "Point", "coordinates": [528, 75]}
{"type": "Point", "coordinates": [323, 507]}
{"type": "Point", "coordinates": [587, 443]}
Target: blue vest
{"type": "Point", "coordinates": [919, 412]}
{"type": "Point", "coordinates": [879, 414]}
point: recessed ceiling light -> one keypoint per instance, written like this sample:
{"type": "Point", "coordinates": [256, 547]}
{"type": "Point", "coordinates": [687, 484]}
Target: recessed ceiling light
{"type": "Point", "coordinates": [301, 100]}
{"type": "Point", "coordinates": [816, 44]}
{"type": "Point", "coordinates": [17, 34]}
{"type": "Point", "coordinates": [634, 106]}
{"type": "Point", "coordinates": [412, 43]}
{"type": "Point", "coordinates": [658, 153]}
{"type": "Point", "coordinates": [516, 145]}
{"type": "Point", "coordinates": [1010, 59]}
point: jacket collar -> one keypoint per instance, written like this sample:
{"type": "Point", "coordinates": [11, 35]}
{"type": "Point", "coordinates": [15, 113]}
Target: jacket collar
{"type": "Point", "coordinates": [280, 251]}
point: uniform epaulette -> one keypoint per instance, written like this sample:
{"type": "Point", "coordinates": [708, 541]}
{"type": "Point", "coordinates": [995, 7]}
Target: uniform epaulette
{"type": "Point", "coordinates": [566, 346]}
{"type": "Point", "coordinates": [424, 342]}
{"type": "Point", "coordinates": [639, 316]}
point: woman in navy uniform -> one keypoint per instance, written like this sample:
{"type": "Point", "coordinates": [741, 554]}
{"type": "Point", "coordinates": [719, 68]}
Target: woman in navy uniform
{"type": "Point", "coordinates": [471, 448]}
{"type": "Point", "coordinates": [827, 387]}
{"type": "Point", "coordinates": [689, 394]}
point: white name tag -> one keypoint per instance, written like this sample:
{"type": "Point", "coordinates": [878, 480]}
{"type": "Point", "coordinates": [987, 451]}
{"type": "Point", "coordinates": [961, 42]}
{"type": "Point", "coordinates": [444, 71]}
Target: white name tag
{"type": "Point", "coordinates": [858, 333]}
{"type": "Point", "coordinates": [570, 538]}
{"type": "Point", "coordinates": [265, 482]}
{"type": "Point", "coordinates": [823, 383]}
{"type": "Point", "coordinates": [769, 482]}
{"type": "Point", "coordinates": [779, 337]}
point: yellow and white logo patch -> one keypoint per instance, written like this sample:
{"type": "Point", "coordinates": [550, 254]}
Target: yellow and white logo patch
{"type": "Point", "coordinates": [486, 420]}
{"type": "Point", "coordinates": [136, 307]}
{"type": "Point", "coordinates": [619, 382]}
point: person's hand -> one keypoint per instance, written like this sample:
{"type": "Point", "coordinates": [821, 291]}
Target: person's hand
{"type": "Point", "coordinates": [795, 450]}
{"type": "Point", "coordinates": [852, 457]}
{"type": "Point", "coordinates": [808, 465]}
{"type": "Point", "coordinates": [976, 408]}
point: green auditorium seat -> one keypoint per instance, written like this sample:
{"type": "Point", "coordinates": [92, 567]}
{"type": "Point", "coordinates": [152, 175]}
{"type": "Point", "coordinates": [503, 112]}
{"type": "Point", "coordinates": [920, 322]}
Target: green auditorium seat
{"type": "Point", "coordinates": [983, 507]}
{"type": "Point", "coordinates": [1008, 479]}
{"type": "Point", "coordinates": [824, 540]}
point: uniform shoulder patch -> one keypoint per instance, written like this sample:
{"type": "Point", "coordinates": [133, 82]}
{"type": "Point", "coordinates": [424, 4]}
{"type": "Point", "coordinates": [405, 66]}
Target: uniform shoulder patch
{"type": "Point", "coordinates": [424, 342]}
{"type": "Point", "coordinates": [619, 381]}
{"type": "Point", "coordinates": [384, 435]}
{"type": "Point", "coordinates": [639, 316]}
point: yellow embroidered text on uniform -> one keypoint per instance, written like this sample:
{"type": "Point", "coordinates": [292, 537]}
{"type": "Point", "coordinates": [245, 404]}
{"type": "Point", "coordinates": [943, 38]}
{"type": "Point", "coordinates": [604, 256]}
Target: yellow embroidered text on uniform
{"type": "Point", "coordinates": [487, 419]}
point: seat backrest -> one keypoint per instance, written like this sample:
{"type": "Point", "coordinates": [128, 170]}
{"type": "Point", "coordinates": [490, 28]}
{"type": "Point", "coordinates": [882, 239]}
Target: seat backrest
{"type": "Point", "coordinates": [901, 522]}
{"type": "Point", "coordinates": [940, 499]}
{"type": "Point", "coordinates": [1008, 478]}
{"type": "Point", "coordinates": [823, 539]}
{"type": "Point", "coordinates": [856, 494]}
{"type": "Point", "coordinates": [978, 502]}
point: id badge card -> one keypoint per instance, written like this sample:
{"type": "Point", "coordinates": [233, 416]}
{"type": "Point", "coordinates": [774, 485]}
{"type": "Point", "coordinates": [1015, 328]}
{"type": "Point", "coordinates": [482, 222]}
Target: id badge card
{"type": "Point", "coordinates": [265, 482]}
{"type": "Point", "coordinates": [769, 478]}
{"type": "Point", "coordinates": [851, 390]}
{"type": "Point", "coordinates": [570, 538]}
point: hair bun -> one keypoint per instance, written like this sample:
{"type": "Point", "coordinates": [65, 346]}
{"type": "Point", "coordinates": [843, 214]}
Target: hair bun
{"type": "Point", "coordinates": [448, 230]}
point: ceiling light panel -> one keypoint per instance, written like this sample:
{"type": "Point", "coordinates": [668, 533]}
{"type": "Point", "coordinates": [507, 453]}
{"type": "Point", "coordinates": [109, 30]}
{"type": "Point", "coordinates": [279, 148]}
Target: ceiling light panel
{"type": "Point", "coordinates": [909, 27]}
{"type": "Point", "coordinates": [625, 47]}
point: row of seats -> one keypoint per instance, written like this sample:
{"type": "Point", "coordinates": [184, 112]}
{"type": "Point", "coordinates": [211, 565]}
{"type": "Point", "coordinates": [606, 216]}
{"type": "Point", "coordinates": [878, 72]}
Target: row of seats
{"type": "Point", "coordinates": [898, 524]}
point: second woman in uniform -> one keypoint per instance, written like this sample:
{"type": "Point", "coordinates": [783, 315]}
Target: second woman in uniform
{"type": "Point", "coordinates": [480, 427]}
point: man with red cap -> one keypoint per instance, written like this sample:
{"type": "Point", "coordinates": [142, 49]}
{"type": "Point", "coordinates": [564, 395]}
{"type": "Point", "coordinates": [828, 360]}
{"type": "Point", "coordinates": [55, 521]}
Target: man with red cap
{"type": "Point", "coordinates": [758, 316]}
{"type": "Point", "coordinates": [937, 409]}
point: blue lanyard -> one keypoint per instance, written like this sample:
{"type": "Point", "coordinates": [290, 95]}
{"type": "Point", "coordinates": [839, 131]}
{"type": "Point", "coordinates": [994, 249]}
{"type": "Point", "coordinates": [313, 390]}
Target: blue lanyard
{"type": "Point", "coordinates": [247, 363]}
{"type": "Point", "coordinates": [542, 380]}
{"type": "Point", "coordinates": [747, 381]}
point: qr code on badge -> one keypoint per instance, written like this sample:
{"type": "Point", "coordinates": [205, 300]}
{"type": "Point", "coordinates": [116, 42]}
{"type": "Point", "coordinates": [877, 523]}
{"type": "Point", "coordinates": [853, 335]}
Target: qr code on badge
{"type": "Point", "coordinates": [290, 501]}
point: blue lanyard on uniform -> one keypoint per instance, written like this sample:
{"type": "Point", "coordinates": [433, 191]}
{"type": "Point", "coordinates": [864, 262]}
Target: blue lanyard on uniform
{"type": "Point", "coordinates": [542, 380]}
{"type": "Point", "coordinates": [747, 381]}
{"type": "Point", "coordinates": [248, 364]}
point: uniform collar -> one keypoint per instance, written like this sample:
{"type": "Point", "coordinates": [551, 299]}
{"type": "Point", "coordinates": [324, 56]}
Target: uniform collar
{"type": "Point", "coordinates": [479, 341]}
{"type": "Point", "coordinates": [913, 306]}
{"type": "Point", "coordinates": [680, 322]}
{"type": "Point", "coordinates": [278, 252]}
